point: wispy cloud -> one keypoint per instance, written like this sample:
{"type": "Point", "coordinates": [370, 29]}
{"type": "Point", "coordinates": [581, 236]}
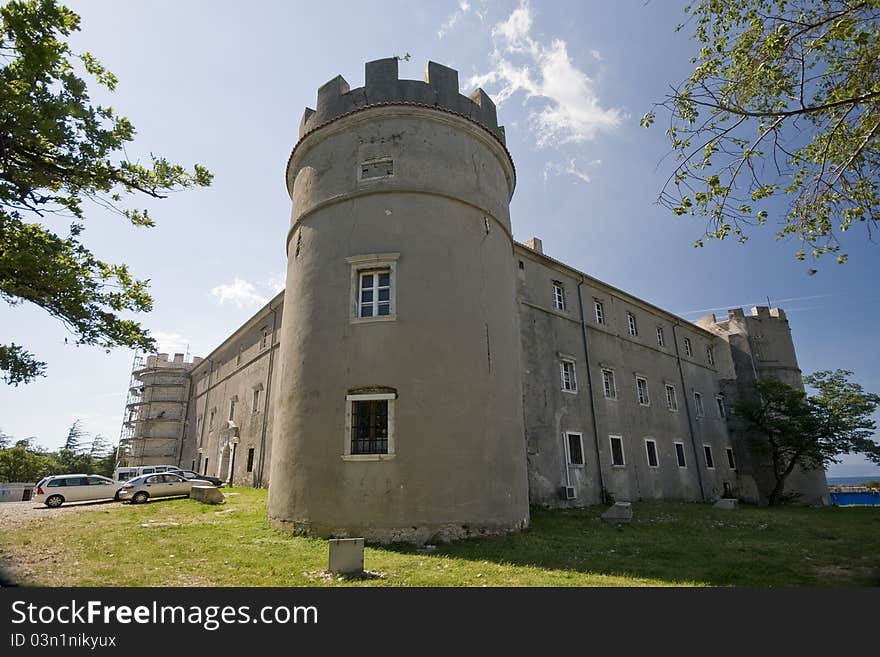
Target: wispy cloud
{"type": "Point", "coordinates": [570, 167]}
{"type": "Point", "coordinates": [464, 8]}
{"type": "Point", "coordinates": [239, 292]}
{"type": "Point", "coordinates": [569, 106]}
{"type": "Point", "coordinates": [277, 282]}
{"type": "Point", "coordinates": [775, 302]}
{"type": "Point", "coordinates": [168, 343]}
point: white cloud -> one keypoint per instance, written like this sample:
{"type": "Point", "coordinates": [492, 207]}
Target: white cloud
{"type": "Point", "coordinates": [570, 109]}
{"type": "Point", "coordinates": [277, 282]}
{"type": "Point", "coordinates": [596, 55]}
{"type": "Point", "coordinates": [169, 343]}
{"type": "Point", "coordinates": [570, 167]}
{"type": "Point", "coordinates": [464, 8]}
{"type": "Point", "coordinates": [240, 292]}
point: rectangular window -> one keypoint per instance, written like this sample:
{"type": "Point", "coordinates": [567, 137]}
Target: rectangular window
{"type": "Point", "coordinates": [688, 350]}
{"type": "Point", "coordinates": [710, 355]}
{"type": "Point", "coordinates": [250, 459]}
{"type": "Point", "coordinates": [264, 338]}
{"type": "Point", "coordinates": [575, 449]}
{"type": "Point", "coordinates": [707, 450]}
{"type": "Point", "coordinates": [616, 451]}
{"type": "Point", "coordinates": [369, 426]}
{"type": "Point", "coordinates": [679, 455]}
{"type": "Point", "coordinates": [238, 357]}
{"type": "Point", "coordinates": [608, 384]}
{"type": "Point", "coordinates": [377, 168]}
{"type": "Point", "coordinates": [375, 293]}
{"type": "Point", "coordinates": [642, 391]}
{"type": "Point", "coordinates": [671, 400]}
{"type": "Point", "coordinates": [193, 466]}
{"type": "Point", "coordinates": [256, 401]}
{"type": "Point", "coordinates": [719, 402]}
{"type": "Point", "coordinates": [698, 404]}
{"type": "Point", "coordinates": [730, 462]}
{"type": "Point", "coordinates": [651, 450]}
{"type": "Point", "coordinates": [205, 471]}
{"type": "Point", "coordinates": [600, 312]}
{"type": "Point", "coordinates": [213, 412]}
{"type": "Point", "coordinates": [231, 409]}
{"type": "Point", "coordinates": [660, 340]}
{"type": "Point", "coordinates": [558, 295]}
{"type": "Point", "coordinates": [631, 323]}
{"type": "Point", "coordinates": [569, 380]}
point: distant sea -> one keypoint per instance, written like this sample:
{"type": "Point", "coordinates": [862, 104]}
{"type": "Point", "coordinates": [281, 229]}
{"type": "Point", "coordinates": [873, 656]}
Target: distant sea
{"type": "Point", "coordinates": [851, 481]}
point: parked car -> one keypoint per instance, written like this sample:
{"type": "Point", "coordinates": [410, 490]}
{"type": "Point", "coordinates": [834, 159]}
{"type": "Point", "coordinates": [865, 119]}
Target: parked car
{"type": "Point", "coordinates": [130, 472]}
{"type": "Point", "coordinates": [56, 490]}
{"type": "Point", "coordinates": [189, 474]}
{"type": "Point", "coordinates": [140, 489]}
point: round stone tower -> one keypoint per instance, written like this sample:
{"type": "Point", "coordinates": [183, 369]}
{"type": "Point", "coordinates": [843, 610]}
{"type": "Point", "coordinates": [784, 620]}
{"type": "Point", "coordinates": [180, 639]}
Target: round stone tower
{"type": "Point", "coordinates": [399, 408]}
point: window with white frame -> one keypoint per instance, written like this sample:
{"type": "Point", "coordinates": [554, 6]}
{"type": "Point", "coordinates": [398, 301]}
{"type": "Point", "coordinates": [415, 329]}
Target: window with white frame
{"type": "Point", "coordinates": [688, 349]}
{"type": "Point", "coordinates": [679, 455]}
{"type": "Point", "coordinates": [558, 295]}
{"type": "Point", "coordinates": [373, 287]}
{"type": "Point", "coordinates": [608, 386]}
{"type": "Point", "coordinates": [617, 459]}
{"type": "Point", "coordinates": [730, 462]}
{"type": "Point", "coordinates": [642, 391]}
{"type": "Point", "coordinates": [710, 355]}
{"type": "Point", "coordinates": [661, 341]}
{"type": "Point", "coordinates": [707, 451]}
{"type": "Point", "coordinates": [671, 399]}
{"type": "Point", "coordinates": [631, 324]}
{"type": "Point", "coordinates": [719, 402]}
{"type": "Point", "coordinates": [651, 452]}
{"type": "Point", "coordinates": [567, 374]}
{"type": "Point", "coordinates": [575, 445]}
{"type": "Point", "coordinates": [599, 310]}
{"type": "Point", "coordinates": [369, 426]}
{"type": "Point", "coordinates": [698, 404]}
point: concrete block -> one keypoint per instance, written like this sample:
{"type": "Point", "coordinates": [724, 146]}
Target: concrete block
{"type": "Point", "coordinates": [207, 494]}
{"type": "Point", "coordinates": [726, 503]}
{"type": "Point", "coordinates": [619, 512]}
{"type": "Point", "coordinates": [346, 556]}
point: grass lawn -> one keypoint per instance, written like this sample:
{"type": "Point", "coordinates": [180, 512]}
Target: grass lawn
{"type": "Point", "coordinates": [183, 543]}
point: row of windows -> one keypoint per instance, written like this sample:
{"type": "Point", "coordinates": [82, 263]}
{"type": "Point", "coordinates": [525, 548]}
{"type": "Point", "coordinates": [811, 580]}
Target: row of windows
{"type": "Point", "coordinates": [609, 389]}
{"type": "Point", "coordinates": [559, 303]}
{"type": "Point", "coordinates": [575, 452]}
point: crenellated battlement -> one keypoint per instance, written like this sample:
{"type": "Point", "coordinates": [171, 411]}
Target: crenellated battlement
{"type": "Point", "coordinates": [382, 86]}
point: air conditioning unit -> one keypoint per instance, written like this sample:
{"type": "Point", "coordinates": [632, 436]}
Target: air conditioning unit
{"type": "Point", "coordinates": [567, 493]}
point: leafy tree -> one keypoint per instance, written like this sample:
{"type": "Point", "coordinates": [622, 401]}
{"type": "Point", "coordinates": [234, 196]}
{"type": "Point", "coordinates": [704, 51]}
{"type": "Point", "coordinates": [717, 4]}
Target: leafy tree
{"type": "Point", "coordinates": [4, 439]}
{"type": "Point", "coordinates": [783, 102]}
{"type": "Point", "coordinates": [26, 464]}
{"type": "Point", "coordinates": [74, 436]}
{"type": "Point", "coordinates": [796, 430]}
{"type": "Point", "coordinates": [99, 447]}
{"type": "Point", "coordinates": [58, 151]}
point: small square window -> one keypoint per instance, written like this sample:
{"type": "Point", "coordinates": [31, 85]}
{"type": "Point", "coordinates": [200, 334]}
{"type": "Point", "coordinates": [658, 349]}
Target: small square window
{"type": "Point", "coordinates": [567, 373]}
{"type": "Point", "coordinates": [642, 391]}
{"type": "Point", "coordinates": [631, 324]}
{"type": "Point", "coordinates": [608, 385]}
{"type": "Point", "coordinates": [558, 295]}
{"type": "Point", "coordinates": [600, 312]}
{"type": "Point", "coordinates": [651, 451]}
{"type": "Point", "coordinates": [616, 451]}
{"type": "Point", "coordinates": [377, 168]}
{"type": "Point", "coordinates": [730, 461]}
{"type": "Point", "coordinates": [679, 455]}
{"type": "Point", "coordinates": [575, 449]}
{"type": "Point", "coordinates": [710, 462]}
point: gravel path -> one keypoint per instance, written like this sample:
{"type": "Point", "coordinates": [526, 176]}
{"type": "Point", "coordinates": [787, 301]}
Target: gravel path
{"type": "Point", "coordinates": [17, 514]}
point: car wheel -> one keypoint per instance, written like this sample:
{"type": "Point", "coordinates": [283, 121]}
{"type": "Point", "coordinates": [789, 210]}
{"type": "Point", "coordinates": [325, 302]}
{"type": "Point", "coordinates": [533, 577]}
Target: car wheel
{"type": "Point", "coordinates": [54, 501]}
{"type": "Point", "coordinates": [140, 497]}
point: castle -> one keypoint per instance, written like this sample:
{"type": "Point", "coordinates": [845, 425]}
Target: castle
{"type": "Point", "coordinates": [424, 376]}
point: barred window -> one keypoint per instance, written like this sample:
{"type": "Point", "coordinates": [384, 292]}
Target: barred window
{"type": "Point", "coordinates": [369, 426]}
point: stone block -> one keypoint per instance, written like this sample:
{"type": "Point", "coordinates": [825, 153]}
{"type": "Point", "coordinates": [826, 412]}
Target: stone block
{"type": "Point", "coordinates": [726, 503]}
{"type": "Point", "coordinates": [619, 512]}
{"type": "Point", "coordinates": [207, 494]}
{"type": "Point", "coordinates": [346, 556]}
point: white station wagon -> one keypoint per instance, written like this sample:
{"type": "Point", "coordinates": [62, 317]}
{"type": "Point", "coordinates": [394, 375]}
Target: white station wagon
{"type": "Point", "coordinates": [56, 490]}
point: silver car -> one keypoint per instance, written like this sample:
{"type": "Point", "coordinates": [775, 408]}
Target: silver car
{"type": "Point", "coordinates": [140, 489]}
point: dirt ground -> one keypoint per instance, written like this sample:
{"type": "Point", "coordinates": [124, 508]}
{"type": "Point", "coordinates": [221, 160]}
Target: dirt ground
{"type": "Point", "coordinates": [16, 514]}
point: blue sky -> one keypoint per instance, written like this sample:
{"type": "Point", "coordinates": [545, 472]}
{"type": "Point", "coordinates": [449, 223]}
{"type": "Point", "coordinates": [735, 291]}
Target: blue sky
{"type": "Point", "coordinates": [224, 84]}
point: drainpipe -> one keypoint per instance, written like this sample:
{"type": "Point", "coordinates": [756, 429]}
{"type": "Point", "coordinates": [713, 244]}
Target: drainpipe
{"type": "Point", "coordinates": [200, 446]}
{"type": "Point", "coordinates": [590, 390]}
{"type": "Point", "coordinates": [259, 479]}
{"type": "Point", "coordinates": [687, 410]}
